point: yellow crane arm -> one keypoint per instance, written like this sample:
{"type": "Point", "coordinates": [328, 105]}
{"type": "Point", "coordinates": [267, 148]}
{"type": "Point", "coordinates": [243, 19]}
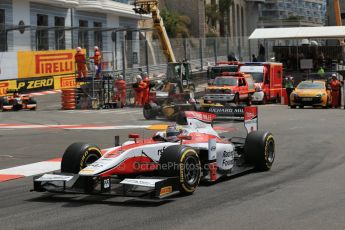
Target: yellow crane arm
{"type": "Point", "coordinates": [151, 6]}
{"type": "Point", "coordinates": [338, 21]}
{"type": "Point", "coordinates": [337, 12]}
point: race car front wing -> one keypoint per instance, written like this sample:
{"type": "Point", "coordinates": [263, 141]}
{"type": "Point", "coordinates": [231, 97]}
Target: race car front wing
{"type": "Point", "coordinates": [143, 187]}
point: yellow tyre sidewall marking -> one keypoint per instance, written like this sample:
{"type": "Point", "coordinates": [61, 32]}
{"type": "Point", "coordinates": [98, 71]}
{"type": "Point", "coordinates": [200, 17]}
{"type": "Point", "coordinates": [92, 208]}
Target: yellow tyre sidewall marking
{"type": "Point", "coordinates": [184, 154]}
{"type": "Point", "coordinates": [86, 153]}
{"type": "Point", "coordinates": [269, 137]}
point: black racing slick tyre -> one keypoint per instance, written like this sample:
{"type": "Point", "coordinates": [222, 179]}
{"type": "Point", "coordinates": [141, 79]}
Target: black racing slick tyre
{"type": "Point", "coordinates": [33, 102]}
{"type": "Point", "coordinates": [249, 100]}
{"type": "Point", "coordinates": [149, 112]}
{"type": "Point", "coordinates": [259, 150]}
{"type": "Point", "coordinates": [181, 118]}
{"type": "Point", "coordinates": [184, 163]}
{"type": "Point", "coordinates": [237, 99]}
{"type": "Point", "coordinates": [79, 155]}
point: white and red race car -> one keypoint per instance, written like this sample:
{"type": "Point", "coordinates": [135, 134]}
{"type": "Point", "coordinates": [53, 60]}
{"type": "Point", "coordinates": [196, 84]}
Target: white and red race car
{"type": "Point", "coordinates": [157, 168]}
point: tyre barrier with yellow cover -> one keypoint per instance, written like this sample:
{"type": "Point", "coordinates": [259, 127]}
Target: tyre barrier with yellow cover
{"type": "Point", "coordinates": [68, 99]}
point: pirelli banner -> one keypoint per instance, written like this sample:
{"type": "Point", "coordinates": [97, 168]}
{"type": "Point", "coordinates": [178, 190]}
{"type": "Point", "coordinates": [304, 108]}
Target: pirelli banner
{"type": "Point", "coordinates": [35, 84]}
{"type": "Point", "coordinates": [33, 64]}
{"type": "Point", "coordinates": [64, 82]}
{"type": "Point", "coordinates": [5, 85]}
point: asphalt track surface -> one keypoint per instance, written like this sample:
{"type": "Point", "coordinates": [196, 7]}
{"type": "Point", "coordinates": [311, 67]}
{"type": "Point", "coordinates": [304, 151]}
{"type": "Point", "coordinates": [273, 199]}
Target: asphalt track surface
{"type": "Point", "coordinates": [304, 190]}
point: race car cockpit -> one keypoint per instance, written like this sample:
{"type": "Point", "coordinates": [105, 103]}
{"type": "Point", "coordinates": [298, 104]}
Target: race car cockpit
{"type": "Point", "coordinates": [170, 135]}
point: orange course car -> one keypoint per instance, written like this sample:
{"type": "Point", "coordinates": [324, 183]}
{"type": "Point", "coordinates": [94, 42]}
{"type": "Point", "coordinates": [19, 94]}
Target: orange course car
{"type": "Point", "coordinates": [15, 101]}
{"type": "Point", "coordinates": [230, 88]}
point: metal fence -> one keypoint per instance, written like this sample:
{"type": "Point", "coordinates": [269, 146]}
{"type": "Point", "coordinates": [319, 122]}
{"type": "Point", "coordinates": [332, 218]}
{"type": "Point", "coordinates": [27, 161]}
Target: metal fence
{"type": "Point", "coordinates": [200, 52]}
{"type": "Point", "coordinates": [133, 51]}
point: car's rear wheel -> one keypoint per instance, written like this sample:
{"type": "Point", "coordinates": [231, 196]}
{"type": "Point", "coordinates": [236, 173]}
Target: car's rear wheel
{"type": "Point", "coordinates": [249, 100]}
{"type": "Point", "coordinates": [3, 102]}
{"type": "Point", "coordinates": [264, 100]}
{"type": "Point", "coordinates": [278, 99]}
{"type": "Point", "coordinates": [78, 156]}
{"type": "Point", "coordinates": [259, 149]}
{"type": "Point", "coordinates": [181, 162]}
{"type": "Point", "coordinates": [16, 105]}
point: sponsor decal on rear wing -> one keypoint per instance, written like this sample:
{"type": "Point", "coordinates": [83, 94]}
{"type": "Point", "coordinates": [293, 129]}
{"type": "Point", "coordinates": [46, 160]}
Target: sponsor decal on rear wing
{"type": "Point", "coordinates": [201, 116]}
{"type": "Point", "coordinates": [227, 111]}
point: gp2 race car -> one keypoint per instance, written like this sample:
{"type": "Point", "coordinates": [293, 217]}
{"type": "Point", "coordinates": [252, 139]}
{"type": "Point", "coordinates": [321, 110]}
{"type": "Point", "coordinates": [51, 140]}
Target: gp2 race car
{"type": "Point", "coordinates": [15, 101]}
{"type": "Point", "coordinates": [158, 168]}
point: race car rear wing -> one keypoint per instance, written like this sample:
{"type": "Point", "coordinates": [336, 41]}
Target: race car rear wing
{"type": "Point", "coordinates": [249, 114]}
{"type": "Point", "coordinates": [203, 120]}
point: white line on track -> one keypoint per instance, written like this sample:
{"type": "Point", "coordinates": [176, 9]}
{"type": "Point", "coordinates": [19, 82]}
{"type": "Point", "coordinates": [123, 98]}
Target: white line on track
{"type": "Point", "coordinates": [32, 169]}
{"type": "Point", "coordinates": [71, 127]}
{"type": "Point", "coordinates": [101, 111]}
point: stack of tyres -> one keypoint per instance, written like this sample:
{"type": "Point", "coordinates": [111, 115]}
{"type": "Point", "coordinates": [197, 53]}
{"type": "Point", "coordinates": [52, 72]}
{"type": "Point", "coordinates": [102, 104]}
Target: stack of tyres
{"type": "Point", "coordinates": [68, 99]}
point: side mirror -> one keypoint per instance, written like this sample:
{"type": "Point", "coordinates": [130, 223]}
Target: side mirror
{"type": "Point", "coordinates": [184, 137]}
{"type": "Point", "coordinates": [134, 136]}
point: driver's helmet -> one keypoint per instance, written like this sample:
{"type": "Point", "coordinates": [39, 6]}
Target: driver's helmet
{"type": "Point", "coordinates": [171, 133]}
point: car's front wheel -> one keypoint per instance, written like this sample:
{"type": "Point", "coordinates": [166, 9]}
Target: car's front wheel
{"type": "Point", "coordinates": [237, 99]}
{"type": "Point", "coordinates": [181, 162]}
{"type": "Point", "coordinates": [32, 102]}
{"type": "Point", "coordinates": [259, 149]}
{"type": "Point", "coordinates": [78, 156]}
{"type": "Point", "coordinates": [149, 112]}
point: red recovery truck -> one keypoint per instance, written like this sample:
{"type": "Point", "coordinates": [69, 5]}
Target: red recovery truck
{"type": "Point", "coordinates": [221, 67]}
{"type": "Point", "coordinates": [268, 80]}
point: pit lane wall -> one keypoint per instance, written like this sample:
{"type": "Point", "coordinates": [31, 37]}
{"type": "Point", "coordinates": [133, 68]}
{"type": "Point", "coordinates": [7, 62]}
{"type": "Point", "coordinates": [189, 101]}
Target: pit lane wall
{"type": "Point", "coordinates": [29, 71]}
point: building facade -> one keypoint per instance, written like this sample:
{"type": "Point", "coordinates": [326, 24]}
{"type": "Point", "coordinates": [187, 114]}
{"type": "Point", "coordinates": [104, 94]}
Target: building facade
{"type": "Point", "coordinates": [195, 10]}
{"type": "Point", "coordinates": [237, 22]}
{"type": "Point", "coordinates": [292, 13]}
{"type": "Point", "coordinates": [63, 24]}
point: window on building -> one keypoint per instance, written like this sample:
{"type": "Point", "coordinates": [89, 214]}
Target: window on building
{"type": "Point", "coordinates": [98, 35]}
{"type": "Point", "coordinates": [2, 17]}
{"type": "Point", "coordinates": [213, 22]}
{"type": "Point", "coordinates": [60, 39]}
{"type": "Point", "coordinates": [3, 37]}
{"type": "Point", "coordinates": [42, 39]}
{"type": "Point", "coordinates": [83, 39]}
{"type": "Point", "coordinates": [122, 1]}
